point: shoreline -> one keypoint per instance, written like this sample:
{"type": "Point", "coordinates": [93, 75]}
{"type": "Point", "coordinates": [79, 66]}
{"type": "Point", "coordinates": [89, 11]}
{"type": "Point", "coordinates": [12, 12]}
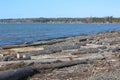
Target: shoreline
{"type": "Point", "coordinates": [60, 23]}
{"type": "Point", "coordinates": [82, 57]}
{"type": "Point", "coordinates": [60, 38]}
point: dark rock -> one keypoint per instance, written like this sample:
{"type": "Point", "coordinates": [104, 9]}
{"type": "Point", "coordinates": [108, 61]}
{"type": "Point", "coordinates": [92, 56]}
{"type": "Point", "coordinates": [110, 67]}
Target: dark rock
{"type": "Point", "coordinates": [81, 44]}
{"type": "Point", "coordinates": [82, 40]}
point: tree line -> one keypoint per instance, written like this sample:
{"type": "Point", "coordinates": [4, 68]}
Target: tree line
{"type": "Point", "coordinates": [109, 19]}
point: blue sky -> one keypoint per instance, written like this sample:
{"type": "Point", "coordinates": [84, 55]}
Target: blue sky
{"type": "Point", "coordinates": [58, 8]}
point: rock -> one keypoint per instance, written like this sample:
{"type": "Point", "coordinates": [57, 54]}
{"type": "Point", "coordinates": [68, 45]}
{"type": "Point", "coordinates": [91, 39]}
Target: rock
{"type": "Point", "coordinates": [116, 49]}
{"type": "Point", "coordinates": [81, 44]}
{"type": "Point", "coordinates": [82, 40]}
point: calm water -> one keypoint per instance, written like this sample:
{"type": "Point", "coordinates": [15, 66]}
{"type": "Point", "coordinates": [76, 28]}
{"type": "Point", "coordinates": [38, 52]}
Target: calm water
{"type": "Point", "coordinates": [19, 33]}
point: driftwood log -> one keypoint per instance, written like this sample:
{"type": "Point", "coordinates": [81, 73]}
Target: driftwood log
{"type": "Point", "coordinates": [18, 74]}
{"type": "Point", "coordinates": [28, 71]}
{"type": "Point", "coordinates": [34, 44]}
{"type": "Point", "coordinates": [23, 73]}
{"type": "Point", "coordinates": [20, 50]}
{"type": "Point", "coordinates": [51, 58]}
{"type": "Point", "coordinates": [47, 42]}
{"type": "Point", "coordinates": [14, 46]}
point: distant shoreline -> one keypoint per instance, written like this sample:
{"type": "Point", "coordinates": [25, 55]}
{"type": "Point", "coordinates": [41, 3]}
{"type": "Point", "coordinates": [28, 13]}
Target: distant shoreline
{"type": "Point", "coordinates": [86, 20]}
{"type": "Point", "coordinates": [59, 23]}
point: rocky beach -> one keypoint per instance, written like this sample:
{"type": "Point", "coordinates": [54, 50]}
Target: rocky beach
{"type": "Point", "coordinates": [91, 57]}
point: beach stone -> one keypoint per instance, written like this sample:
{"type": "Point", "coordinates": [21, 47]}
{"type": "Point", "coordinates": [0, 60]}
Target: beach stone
{"type": "Point", "coordinates": [116, 49]}
{"type": "Point", "coordinates": [81, 44]}
{"type": "Point", "coordinates": [82, 40]}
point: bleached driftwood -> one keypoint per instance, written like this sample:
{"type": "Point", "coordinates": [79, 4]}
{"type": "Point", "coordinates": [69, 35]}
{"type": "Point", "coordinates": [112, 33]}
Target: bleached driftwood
{"type": "Point", "coordinates": [26, 72]}
{"type": "Point", "coordinates": [22, 73]}
{"type": "Point", "coordinates": [21, 49]}
{"type": "Point", "coordinates": [42, 59]}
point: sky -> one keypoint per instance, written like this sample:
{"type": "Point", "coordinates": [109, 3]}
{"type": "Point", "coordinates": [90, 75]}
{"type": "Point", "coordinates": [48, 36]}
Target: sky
{"type": "Point", "coordinates": [58, 8]}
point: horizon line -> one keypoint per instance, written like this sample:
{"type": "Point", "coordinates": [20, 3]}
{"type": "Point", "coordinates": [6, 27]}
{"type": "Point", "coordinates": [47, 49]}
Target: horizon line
{"type": "Point", "coordinates": [60, 17]}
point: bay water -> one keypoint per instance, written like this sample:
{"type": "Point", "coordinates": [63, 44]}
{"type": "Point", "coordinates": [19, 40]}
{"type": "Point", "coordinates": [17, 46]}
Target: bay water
{"type": "Point", "coordinates": [11, 34]}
